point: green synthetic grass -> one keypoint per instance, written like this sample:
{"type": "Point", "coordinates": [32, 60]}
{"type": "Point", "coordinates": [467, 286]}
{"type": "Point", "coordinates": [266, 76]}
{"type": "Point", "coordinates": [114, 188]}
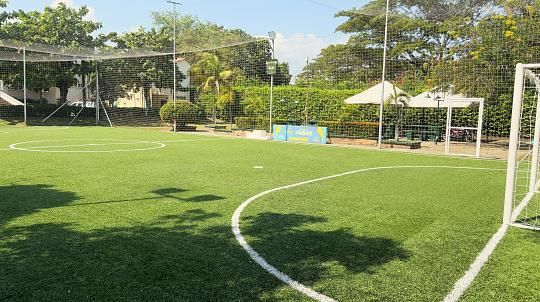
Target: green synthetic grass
{"type": "Point", "coordinates": [155, 225]}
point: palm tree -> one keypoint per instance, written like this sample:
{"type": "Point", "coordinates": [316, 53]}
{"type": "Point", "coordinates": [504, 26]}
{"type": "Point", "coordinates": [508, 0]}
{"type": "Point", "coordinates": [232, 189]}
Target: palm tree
{"type": "Point", "coordinates": [398, 101]}
{"type": "Point", "coordinates": [214, 77]}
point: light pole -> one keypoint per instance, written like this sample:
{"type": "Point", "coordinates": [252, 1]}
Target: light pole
{"type": "Point", "coordinates": [174, 50]}
{"type": "Point", "coordinates": [25, 89]}
{"type": "Point", "coordinates": [271, 69]}
{"type": "Point", "coordinates": [174, 58]}
{"type": "Point", "coordinates": [381, 107]}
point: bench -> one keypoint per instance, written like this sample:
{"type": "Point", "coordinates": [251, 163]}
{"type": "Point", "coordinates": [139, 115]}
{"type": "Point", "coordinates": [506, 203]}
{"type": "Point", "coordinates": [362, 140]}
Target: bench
{"type": "Point", "coordinates": [410, 144]}
{"type": "Point", "coordinates": [224, 130]}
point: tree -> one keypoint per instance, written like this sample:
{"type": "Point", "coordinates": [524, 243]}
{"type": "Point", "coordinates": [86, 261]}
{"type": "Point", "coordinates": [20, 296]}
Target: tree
{"type": "Point", "coordinates": [215, 78]}
{"type": "Point", "coordinates": [59, 28]}
{"type": "Point", "coordinates": [343, 66]}
{"type": "Point", "coordinates": [122, 75]}
{"type": "Point", "coordinates": [245, 60]}
{"type": "Point", "coordinates": [497, 44]}
{"type": "Point", "coordinates": [234, 47]}
{"type": "Point", "coordinates": [398, 101]}
{"type": "Point", "coordinates": [3, 15]}
{"type": "Point", "coordinates": [421, 35]}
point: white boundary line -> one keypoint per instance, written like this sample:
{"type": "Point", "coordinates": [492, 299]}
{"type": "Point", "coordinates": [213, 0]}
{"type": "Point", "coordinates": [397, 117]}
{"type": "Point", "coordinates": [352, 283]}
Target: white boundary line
{"type": "Point", "coordinates": [461, 285]}
{"type": "Point", "coordinates": [32, 129]}
{"type": "Point", "coordinates": [464, 282]}
{"type": "Point", "coordinates": [193, 140]}
{"type": "Point", "coordinates": [159, 145]}
{"type": "Point", "coordinates": [85, 145]}
{"type": "Point", "coordinates": [126, 142]}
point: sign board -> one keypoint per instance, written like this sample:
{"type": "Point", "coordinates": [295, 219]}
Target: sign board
{"type": "Point", "coordinates": [305, 134]}
{"type": "Point", "coordinates": [271, 67]}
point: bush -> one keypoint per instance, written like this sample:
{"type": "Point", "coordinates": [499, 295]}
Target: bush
{"type": "Point", "coordinates": [293, 102]}
{"type": "Point", "coordinates": [184, 113]}
{"type": "Point", "coordinates": [256, 123]}
{"type": "Point", "coordinates": [351, 129]}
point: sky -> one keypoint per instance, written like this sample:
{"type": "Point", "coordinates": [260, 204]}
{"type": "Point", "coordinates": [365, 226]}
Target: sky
{"type": "Point", "coordinates": [303, 27]}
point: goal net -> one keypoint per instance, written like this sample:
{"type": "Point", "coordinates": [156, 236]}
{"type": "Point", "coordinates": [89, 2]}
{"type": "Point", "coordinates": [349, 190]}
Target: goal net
{"type": "Point", "coordinates": [522, 203]}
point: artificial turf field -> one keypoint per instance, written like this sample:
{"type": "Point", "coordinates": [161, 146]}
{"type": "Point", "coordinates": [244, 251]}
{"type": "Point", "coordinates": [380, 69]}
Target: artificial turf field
{"type": "Point", "coordinates": [127, 214]}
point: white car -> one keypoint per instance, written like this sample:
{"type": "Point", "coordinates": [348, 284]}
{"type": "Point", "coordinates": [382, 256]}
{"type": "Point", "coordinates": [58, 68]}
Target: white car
{"type": "Point", "coordinates": [89, 104]}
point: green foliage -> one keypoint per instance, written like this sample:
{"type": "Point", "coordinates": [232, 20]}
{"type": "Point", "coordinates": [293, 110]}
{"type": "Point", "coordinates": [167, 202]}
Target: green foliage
{"type": "Point", "coordinates": [252, 123]}
{"type": "Point", "coordinates": [195, 35]}
{"type": "Point", "coordinates": [328, 106]}
{"type": "Point", "coordinates": [295, 103]}
{"type": "Point", "coordinates": [183, 112]}
{"type": "Point", "coordinates": [60, 26]}
{"type": "Point", "coordinates": [342, 129]}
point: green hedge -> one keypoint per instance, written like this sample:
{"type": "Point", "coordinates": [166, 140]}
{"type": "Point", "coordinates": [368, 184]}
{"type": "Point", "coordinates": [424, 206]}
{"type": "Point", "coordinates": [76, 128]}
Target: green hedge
{"type": "Point", "coordinates": [368, 130]}
{"type": "Point", "coordinates": [319, 105]}
{"type": "Point", "coordinates": [183, 112]}
{"type": "Point", "coordinates": [256, 123]}
{"type": "Point", "coordinates": [294, 103]}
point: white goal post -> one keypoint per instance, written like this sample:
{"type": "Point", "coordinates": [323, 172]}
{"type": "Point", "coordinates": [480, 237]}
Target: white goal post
{"type": "Point", "coordinates": [477, 130]}
{"type": "Point", "coordinates": [521, 206]}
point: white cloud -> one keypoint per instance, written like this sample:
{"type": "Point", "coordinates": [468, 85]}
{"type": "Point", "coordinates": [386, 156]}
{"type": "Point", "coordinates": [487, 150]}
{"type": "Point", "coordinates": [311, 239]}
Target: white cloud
{"type": "Point", "coordinates": [295, 49]}
{"type": "Point", "coordinates": [91, 16]}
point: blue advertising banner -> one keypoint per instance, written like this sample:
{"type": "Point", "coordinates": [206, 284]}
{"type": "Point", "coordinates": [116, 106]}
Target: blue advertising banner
{"type": "Point", "coordinates": [306, 134]}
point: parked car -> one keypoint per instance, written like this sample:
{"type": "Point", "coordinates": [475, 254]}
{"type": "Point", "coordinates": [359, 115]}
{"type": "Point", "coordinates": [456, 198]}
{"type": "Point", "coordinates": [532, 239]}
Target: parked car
{"type": "Point", "coordinates": [88, 104]}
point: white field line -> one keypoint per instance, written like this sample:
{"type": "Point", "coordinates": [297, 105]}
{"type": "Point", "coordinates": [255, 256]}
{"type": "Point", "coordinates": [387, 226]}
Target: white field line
{"type": "Point", "coordinates": [193, 140]}
{"type": "Point", "coordinates": [44, 148]}
{"type": "Point", "coordinates": [33, 129]}
{"type": "Point", "coordinates": [89, 145]}
{"type": "Point", "coordinates": [6, 149]}
{"type": "Point", "coordinates": [465, 282]}
{"type": "Point", "coordinates": [160, 145]}
{"type": "Point", "coordinates": [235, 225]}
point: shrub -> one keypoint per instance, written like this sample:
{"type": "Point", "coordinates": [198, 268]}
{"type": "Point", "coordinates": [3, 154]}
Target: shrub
{"type": "Point", "coordinates": [256, 123]}
{"type": "Point", "coordinates": [351, 129]}
{"type": "Point", "coordinates": [183, 112]}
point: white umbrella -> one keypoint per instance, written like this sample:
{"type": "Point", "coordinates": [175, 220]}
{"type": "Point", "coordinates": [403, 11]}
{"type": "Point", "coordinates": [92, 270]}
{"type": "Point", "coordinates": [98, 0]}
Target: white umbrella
{"type": "Point", "coordinates": [373, 94]}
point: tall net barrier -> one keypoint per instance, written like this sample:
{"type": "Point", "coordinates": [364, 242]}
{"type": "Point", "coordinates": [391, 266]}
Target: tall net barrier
{"type": "Point", "coordinates": [11, 93]}
{"type": "Point", "coordinates": [438, 78]}
{"type": "Point", "coordinates": [522, 200]}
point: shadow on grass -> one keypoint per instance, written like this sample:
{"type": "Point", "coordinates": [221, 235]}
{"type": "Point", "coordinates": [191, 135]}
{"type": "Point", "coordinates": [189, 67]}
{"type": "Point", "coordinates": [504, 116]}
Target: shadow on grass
{"type": "Point", "coordinates": [167, 193]}
{"type": "Point", "coordinates": [173, 193]}
{"type": "Point", "coordinates": [289, 242]}
{"type": "Point", "coordinates": [190, 256]}
{"type": "Point", "coordinates": [531, 220]}
{"type": "Point", "coordinates": [170, 259]}
{"type": "Point", "coordinates": [11, 121]}
{"type": "Point", "coordinates": [20, 200]}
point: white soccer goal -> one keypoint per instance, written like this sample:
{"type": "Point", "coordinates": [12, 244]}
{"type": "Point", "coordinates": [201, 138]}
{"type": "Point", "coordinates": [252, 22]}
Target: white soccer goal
{"type": "Point", "coordinates": [522, 203]}
{"type": "Point", "coordinates": [464, 139]}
